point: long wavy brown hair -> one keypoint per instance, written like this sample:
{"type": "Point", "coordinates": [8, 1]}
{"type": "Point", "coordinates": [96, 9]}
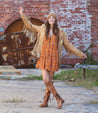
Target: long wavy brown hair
{"type": "Point", "coordinates": [55, 29]}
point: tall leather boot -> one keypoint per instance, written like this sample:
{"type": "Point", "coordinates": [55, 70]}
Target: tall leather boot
{"type": "Point", "coordinates": [46, 98]}
{"type": "Point", "coordinates": [52, 89]}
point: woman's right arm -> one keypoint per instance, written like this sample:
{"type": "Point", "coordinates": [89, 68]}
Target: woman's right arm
{"type": "Point", "coordinates": [27, 22]}
{"type": "Point", "coordinates": [72, 48]}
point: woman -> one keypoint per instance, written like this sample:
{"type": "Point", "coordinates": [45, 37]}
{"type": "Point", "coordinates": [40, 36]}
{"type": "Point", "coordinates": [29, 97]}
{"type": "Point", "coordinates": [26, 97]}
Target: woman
{"type": "Point", "coordinates": [47, 49]}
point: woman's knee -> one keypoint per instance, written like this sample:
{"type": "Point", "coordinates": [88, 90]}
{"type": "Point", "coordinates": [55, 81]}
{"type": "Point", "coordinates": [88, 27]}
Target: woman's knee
{"type": "Point", "coordinates": [46, 81]}
{"type": "Point", "coordinates": [45, 75]}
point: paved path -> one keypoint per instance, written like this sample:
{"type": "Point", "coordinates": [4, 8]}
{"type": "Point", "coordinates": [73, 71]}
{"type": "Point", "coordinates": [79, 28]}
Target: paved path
{"type": "Point", "coordinates": [77, 99]}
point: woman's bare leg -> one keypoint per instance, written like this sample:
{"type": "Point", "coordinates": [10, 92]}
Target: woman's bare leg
{"type": "Point", "coordinates": [48, 82]}
{"type": "Point", "coordinates": [46, 78]}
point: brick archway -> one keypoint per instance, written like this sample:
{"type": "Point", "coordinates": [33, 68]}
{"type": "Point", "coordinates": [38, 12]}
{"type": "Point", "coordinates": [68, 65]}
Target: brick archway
{"type": "Point", "coordinates": [17, 25]}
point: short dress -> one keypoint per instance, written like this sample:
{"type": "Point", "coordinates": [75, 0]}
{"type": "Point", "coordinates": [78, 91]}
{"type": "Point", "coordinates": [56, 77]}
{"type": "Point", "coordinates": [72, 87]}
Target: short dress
{"type": "Point", "coordinates": [49, 59]}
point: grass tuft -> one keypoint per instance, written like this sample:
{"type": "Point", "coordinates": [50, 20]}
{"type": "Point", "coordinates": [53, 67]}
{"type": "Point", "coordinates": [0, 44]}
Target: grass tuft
{"type": "Point", "coordinates": [14, 100]}
{"type": "Point", "coordinates": [32, 77]}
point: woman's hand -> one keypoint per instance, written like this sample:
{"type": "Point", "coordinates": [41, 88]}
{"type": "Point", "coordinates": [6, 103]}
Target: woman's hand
{"type": "Point", "coordinates": [84, 56]}
{"type": "Point", "coordinates": [20, 10]}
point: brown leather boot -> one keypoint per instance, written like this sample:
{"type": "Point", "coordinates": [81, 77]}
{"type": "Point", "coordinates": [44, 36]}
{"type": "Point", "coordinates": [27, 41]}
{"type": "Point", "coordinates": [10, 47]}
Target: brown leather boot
{"type": "Point", "coordinates": [46, 98]}
{"type": "Point", "coordinates": [52, 89]}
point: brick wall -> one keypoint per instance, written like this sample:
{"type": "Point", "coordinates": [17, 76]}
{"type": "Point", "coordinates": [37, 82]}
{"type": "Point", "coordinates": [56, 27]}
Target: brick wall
{"type": "Point", "coordinates": [33, 8]}
{"type": "Point", "coordinates": [77, 22]}
{"type": "Point", "coordinates": [78, 18]}
{"type": "Point", "coordinates": [92, 7]}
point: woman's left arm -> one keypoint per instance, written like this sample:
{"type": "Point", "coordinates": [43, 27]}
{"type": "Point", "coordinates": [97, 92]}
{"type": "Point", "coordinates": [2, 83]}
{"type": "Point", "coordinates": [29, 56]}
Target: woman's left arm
{"type": "Point", "coordinates": [67, 45]}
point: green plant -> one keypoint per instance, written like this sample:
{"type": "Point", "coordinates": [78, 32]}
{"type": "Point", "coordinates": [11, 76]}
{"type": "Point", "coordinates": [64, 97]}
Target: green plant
{"type": "Point", "coordinates": [90, 59]}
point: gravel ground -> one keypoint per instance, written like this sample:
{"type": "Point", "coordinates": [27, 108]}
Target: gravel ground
{"type": "Point", "coordinates": [30, 94]}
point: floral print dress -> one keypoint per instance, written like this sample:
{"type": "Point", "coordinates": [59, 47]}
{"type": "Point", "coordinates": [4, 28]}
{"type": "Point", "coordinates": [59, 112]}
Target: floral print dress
{"type": "Point", "coordinates": [49, 55]}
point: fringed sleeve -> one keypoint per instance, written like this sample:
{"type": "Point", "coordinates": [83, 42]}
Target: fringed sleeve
{"type": "Point", "coordinates": [28, 23]}
{"type": "Point", "coordinates": [70, 48]}
{"type": "Point", "coordinates": [32, 35]}
{"type": "Point", "coordinates": [30, 29]}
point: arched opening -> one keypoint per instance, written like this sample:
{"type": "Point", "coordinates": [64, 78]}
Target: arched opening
{"type": "Point", "coordinates": [17, 25]}
{"type": "Point", "coordinates": [15, 46]}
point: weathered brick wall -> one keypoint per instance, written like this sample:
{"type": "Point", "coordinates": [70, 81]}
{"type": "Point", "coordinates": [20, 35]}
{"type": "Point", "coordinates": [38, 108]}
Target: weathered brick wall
{"type": "Point", "coordinates": [33, 8]}
{"type": "Point", "coordinates": [92, 7]}
{"type": "Point", "coordinates": [75, 20]}
{"type": "Point", "coordinates": [78, 18]}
